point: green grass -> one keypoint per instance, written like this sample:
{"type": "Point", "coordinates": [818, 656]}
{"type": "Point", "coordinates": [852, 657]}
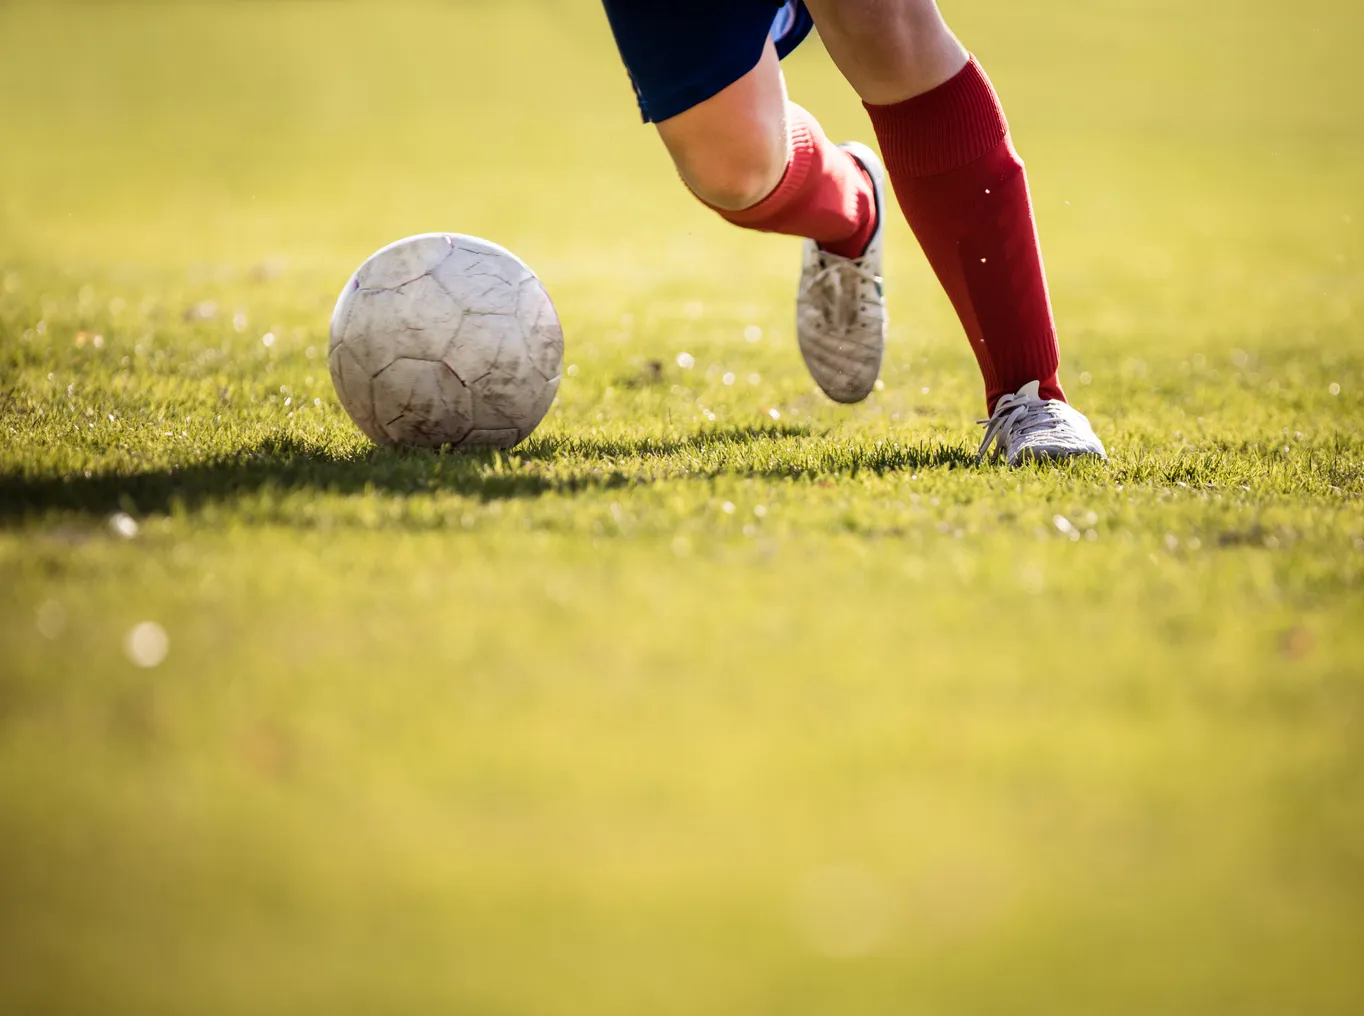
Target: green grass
{"type": "Point", "coordinates": [710, 698]}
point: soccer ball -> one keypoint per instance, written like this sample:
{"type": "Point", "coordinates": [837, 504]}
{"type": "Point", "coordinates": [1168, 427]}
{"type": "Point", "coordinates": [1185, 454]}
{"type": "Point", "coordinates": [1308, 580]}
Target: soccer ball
{"type": "Point", "coordinates": [445, 339]}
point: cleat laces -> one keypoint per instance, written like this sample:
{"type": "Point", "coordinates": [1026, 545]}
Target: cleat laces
{"type": "Point", "coordinates": [1015, 417]}
{"type": "Point", "coordinates": [839, 287]}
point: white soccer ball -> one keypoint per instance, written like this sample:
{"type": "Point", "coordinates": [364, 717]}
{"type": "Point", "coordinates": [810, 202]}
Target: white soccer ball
{"type": "Point", "coordinates": [443, 339]}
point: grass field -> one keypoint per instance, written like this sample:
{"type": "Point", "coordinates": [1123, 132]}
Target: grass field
{"type": "Point", "coordinates": [713, 697]}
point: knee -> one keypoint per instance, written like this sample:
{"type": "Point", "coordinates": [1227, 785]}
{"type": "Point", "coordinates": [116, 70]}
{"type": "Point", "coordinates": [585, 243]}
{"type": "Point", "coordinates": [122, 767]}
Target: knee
{"type": "Point", "coordinates": [732, 176]}
{"type": "Point", "coordinates": [731, 148]}
{"type": "Point", "coordinates": [733, 180]}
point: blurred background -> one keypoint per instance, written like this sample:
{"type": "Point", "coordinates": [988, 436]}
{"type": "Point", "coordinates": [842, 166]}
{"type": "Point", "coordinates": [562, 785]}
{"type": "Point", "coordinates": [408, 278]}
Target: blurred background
{"type": "Point", "coordinates": [515, 738]}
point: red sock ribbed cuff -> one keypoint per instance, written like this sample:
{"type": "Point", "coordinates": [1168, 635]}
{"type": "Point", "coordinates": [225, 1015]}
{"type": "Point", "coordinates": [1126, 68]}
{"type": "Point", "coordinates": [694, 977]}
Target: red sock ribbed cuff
{"type": "Point", "coordinates": [949, 127]}
{"type": "Point", "coordinates": [803, 145]}
{"type": "Point", "coordinates": [824, 194]}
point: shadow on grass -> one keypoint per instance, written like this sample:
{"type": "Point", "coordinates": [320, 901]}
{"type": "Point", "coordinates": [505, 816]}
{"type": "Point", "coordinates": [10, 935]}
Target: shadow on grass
{"type": "Point", "coordinates": [544, 465]}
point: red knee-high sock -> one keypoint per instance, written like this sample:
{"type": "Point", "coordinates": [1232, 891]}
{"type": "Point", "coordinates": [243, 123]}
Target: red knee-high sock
{"type": "Point", "coordinates": [824, 194]}
{"type": "Point", "coordinates": [962, 187]}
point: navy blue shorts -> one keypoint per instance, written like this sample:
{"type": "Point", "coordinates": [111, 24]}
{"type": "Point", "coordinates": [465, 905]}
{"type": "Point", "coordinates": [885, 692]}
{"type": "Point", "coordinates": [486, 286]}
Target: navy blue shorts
{"type": "Point", "coordinates": [681, 52]}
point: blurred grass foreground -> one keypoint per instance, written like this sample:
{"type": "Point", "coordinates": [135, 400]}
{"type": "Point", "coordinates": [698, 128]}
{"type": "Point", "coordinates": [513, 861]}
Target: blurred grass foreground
{"type": "Point", "coordinates": [713, 697]}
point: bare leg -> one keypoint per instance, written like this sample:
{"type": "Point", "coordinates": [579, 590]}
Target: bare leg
{"type": "Point", "coordinates": [764, 163]}
{"type": "Point", "coordinates": [889, 50]}
{"type": "Point", "coordinates": [732, 149]}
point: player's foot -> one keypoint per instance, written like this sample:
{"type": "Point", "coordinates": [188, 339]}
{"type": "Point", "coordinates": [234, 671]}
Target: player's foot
{"type": "Point", "coordinates": [841, 309]}
{"type": "Point", "coordinates": [1025, 426]}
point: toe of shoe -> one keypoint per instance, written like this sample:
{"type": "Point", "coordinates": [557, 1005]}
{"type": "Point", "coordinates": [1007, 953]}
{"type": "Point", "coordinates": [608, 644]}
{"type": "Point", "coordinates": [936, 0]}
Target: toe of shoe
{"type": "Point", "coordinates": [847, 395]}
{"type": "Point", "coordinates": [1053, 453]}
{"type": "Point", "coordinates": [845, 388]}
{"type": "Point", "coordinates": [846, 374]}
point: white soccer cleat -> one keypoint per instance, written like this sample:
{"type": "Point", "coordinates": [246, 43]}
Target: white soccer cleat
{"type": "Point", "coordinates": [841, 308]}
{"type": "Point", "coordinates": [1025, 426]}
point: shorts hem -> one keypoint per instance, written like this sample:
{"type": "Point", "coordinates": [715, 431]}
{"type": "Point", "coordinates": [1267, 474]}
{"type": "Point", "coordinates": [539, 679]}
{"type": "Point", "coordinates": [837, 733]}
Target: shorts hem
{"type": "Point", "coordinates": [657, 108]}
